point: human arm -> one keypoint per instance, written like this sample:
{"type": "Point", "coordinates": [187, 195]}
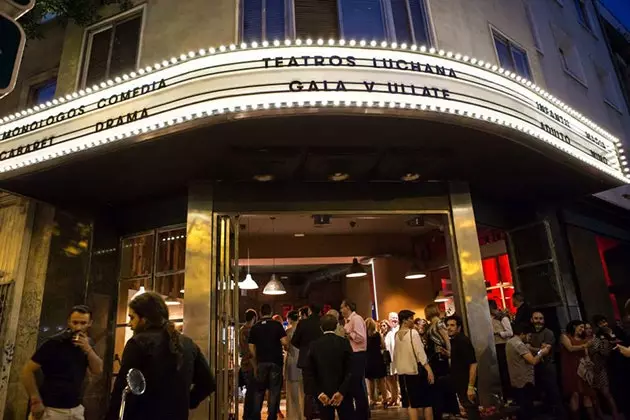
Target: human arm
{"type": "Point", "coordinates": [252, 351]}
{"type": "Point", "coordinates": [421, 355]}
{"type": "Point", "coordinates": [30, 383]}
{"type": "Point", "coordinates": [296, 340]}
{"type": "Point", "coordinates": [625, 351]}
{"type": "Point", "coordinates": [472, 380]}
{"type": "Point", "coordinates": [526, 354]}
{"type": "Point", "coordinates": [507, 328]}
{"type": "Point", "coordinates": [338, 397]}
{"type": "Point", "coordinates": [445, 338]}
{"type": "Point", "coordinates": [202, 381]}
{"type": "Point", "coordinates": [355, 330]}
{"type": "Point", "coordinates": [95, 363]}
{"type": "Point", "coordinates": [566, 343]}
{"type": "Point", "coordinates": [284, 339]}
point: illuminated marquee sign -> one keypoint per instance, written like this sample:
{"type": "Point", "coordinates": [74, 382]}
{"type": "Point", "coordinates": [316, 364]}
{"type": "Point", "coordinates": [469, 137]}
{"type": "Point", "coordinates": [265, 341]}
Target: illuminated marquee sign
{"type": "Point", "coordinates": [207, 83]}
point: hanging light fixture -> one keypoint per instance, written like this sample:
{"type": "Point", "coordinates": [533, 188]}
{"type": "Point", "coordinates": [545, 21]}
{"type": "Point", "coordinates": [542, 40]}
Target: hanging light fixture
{"type": "Point", "coordinates": [414, 273]}
{"type": "Point", "coordinates": [356, 270]}
{"type": "Point", "coordinates": [441, 297]}
{"type": "Point", "coordinates": [274, 287]}
{"type": "Point", "coordinates": [249, 283]}
{"type": "Point", "coordinates": [139, 292]}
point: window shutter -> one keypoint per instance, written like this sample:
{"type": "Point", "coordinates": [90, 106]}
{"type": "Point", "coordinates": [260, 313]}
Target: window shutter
{"type": "Point", "coordinates": [125, 47]}
{"type": "Point", "coordinates": [363, 19]}
{"type": "Point", "coordinates": [275, 20]}
{"type": "Point", "coordinates": [316, 19]}
{"type": "Point", "coordinates": [252, 20]}
{"type": "Point", "coordinates": [99, 53]}
{"type": "Point", "coordinates": [401, 21]}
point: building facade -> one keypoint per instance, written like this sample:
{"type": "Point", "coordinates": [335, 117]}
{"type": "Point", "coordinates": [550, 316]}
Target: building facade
{"type": "Point", "coordinates": [132, 150]}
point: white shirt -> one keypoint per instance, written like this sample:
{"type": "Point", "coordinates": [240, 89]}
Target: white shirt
{"type": "Point", "coordinates": [405, 361]}
{"type": "Point", "coordinates": [390, 344]}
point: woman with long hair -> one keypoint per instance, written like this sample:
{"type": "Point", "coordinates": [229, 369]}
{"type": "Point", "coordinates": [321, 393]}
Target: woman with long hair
{"type": "Point", "coordinates": [415, 375]}
{"type": "Point", "coordinates": [574, 348]}
{"type": "Point", "coordinates": [391, 382]}
{"type": "Point", "coordinates": [375, 370]}
{"type": "Point", "coordinates": [177, 375]}
{"type": "Point", "coordinates": [439, 351]}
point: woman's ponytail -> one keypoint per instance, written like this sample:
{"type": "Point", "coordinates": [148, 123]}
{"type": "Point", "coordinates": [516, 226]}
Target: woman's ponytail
{"type": "Point", "coordinates": [175, 343]}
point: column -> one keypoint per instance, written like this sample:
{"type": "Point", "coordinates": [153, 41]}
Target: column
{"type": "Point", "coordinates": [197, 284]}
{"type": "Point", "coordinates": [471, 288]}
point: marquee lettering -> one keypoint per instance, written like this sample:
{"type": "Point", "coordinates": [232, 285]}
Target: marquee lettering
{"type": "Point", "coordinates": [27, 148]}
{"type": "Point", "coordinates": [121, 120]}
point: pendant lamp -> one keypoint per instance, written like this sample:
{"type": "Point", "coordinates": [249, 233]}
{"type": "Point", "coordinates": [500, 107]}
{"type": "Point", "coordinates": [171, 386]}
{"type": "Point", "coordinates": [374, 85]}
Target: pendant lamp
{"type": "Point", "coordinates": [139, 292]}
{"type": "Point", "coordinates": [274, 287]}
{"type": "Point", "coordinates": [249, 283]}
{"type": "Point", "coordinates": [356, 270]}
{"type": "Point", "coordinates": [414, 273]}
{"type": "Point", "coordinates": [441, 297]}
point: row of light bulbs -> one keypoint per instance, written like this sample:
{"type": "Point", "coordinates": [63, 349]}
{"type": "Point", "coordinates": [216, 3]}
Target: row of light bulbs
{"type": "Point", "coordinates": [319, 42]}
{"type": "Point", "coordinates": [536, 132]}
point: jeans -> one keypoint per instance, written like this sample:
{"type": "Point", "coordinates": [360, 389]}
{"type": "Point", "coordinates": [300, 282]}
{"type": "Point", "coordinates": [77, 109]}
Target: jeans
{"type": "Point", "coordinates": [269, 378]}
{"type": "Point", "coordinates": [358, 393]}
{"type": "Point", "coordinates": [250, 395]}
{"type": "Point", "coordinates": [345, 411]}
{"type": "Point", "coordinates": [547, 386]}
{"type": "Point", "coordinates": [525, 400]}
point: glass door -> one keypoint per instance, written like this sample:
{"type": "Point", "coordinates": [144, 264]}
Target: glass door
{"type": "Point", "coordinates": [225, 325]}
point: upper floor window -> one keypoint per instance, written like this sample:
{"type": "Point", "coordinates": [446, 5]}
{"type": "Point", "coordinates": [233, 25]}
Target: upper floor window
{"type": "Point", "coordinates": [409, 22]}
{"type": "Point", "coordinates": [112, 49]}
{"type": "Point", "coordinates": [362, 19]}
{"type": "Point", "coordinates": [42, 92]}
{"type": "Point", "coordinates": [265, 20]}
{"type": "Point", "coordinates": [582, 12]}
{"type": "Point", "coordinates": [511, 56]}
{"type": "Point", "coordinates": [316, 19]}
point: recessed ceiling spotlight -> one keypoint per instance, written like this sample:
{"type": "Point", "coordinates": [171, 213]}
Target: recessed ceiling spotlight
{"type": "Point", "coordinates": [411, 176]}
{"type": "Point", "coordinates": [339, 176]}
{"type": "Point", "coordinates": [320, 220]}
{"type": "Point", "coordinates": [264, 177]}
{"type": "Point", "coordinates": [299, 235]}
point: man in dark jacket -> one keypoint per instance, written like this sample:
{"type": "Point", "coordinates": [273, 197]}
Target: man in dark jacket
{"type": "Point", "coordinates": [306, 332]}
{"type": "Point", "coordinates": [329, 372]}
{"type": "Point", "coordinates": [523, 310]}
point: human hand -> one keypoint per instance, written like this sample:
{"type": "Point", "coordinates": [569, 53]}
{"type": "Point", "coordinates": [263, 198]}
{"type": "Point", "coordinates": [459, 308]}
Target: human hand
{"type": "Point", "coordinates": [430, 377]}
{"type": "Point", "coordinates": [37, 408]}
{"type": "Point", "coordinates": [82, 341]}
{"type": "Point", "coordinates": [545, 350]}
{"type": "Point", "coordinates": [323, 398]}
{"type": "Point", "coordinates": [471, 394]}
{"type": "Point", "coordinates": [336, 399]}
{"type": "Point", "coordinates": [624, 350]}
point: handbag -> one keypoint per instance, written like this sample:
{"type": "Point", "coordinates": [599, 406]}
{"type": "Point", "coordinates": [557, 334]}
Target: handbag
{"type": "Point", "coordinates": [586, 369]}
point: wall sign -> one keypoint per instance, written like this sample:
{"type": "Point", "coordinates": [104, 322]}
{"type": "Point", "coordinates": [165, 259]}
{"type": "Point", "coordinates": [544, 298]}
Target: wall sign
{"type": "Point", "coordinates": [200, 85]}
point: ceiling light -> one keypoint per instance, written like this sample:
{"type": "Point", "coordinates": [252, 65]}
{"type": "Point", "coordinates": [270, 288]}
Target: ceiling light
{"type": "Point", "coordinates": [140, 291]}
{"type": "Point", "coordinates": [274, 287]}
{"type": "Point", "coordinates": [264, 177]}
{"type": "Point", "coordinates": [339, 176]}
{"type": "Point", "coordinates": [410, 177]}
{"type": "Point", "coordinates": [249, 283]}
{"type": "Point", "coordinates": [321, 219]}
{"type": "Point", "coordinates": [299, 235]}
{"type": "Point", "coordinates": [441, 297]}
{"type": "Point", "coordinates": [181, 291]}
{"type": "Point", "coordinates": [356, 270]}
{"type": "Point", "coordinates": [414, 273]}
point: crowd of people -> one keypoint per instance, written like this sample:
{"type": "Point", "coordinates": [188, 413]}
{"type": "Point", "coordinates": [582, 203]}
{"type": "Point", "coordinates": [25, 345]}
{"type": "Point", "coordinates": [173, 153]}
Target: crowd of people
{"type": "Point", "coordinates": [340, 363]}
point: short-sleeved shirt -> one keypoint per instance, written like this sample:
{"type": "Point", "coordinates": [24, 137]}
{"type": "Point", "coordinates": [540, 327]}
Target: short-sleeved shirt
{"type": "Point", "coordinates": [266, 335]}
{"type": "Point", "coordinates": [462, 356]}
{"type": "Point", "coordinates": [246, 356]}
{"type": "Point", "coordinates": [64, 366]}
{"type": "Point", "coordinates": [544, 336]}
{"type": "Point", "coordinates": [521, 372]}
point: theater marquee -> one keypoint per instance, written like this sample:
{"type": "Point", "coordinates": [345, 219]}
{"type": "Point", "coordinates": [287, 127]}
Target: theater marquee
{"type": "Point", "coordinates": [246, 78]}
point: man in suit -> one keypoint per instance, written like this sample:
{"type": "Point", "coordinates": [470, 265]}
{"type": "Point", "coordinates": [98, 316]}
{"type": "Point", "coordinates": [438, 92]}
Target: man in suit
{"type": "Point", "coordinates": [329, 372]}
{"type": "Point", "coordinates": [307, 331]}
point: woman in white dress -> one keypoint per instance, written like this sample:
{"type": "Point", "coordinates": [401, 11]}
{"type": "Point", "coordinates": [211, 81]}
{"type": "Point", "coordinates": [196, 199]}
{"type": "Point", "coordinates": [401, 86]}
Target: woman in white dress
{"type": "Point", "coordinates": [293, 374]}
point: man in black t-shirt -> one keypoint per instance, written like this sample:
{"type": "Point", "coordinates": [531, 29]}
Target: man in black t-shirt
{"type": "Point", "coordinates": [266, 341]}
{"type": "Point", "coordinates": [63, 360]}
{"type": "Point", "coordinates": [463, 367]}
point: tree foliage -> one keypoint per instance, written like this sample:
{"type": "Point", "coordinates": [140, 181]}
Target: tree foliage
{"type": "Point", "coordinates": [81, 12]}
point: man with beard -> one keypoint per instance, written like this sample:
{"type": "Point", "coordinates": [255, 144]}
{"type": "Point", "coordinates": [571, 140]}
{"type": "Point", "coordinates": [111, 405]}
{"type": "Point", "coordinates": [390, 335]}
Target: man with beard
{"type": "Point", "coordinates": [390, 342]}
{"type": "Point", "coordinates": [545, 372]}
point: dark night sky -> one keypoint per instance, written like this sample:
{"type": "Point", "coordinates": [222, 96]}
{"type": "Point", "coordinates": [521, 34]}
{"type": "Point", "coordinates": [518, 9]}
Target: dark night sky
{"type": "Point", "coordinates": [621, 10]}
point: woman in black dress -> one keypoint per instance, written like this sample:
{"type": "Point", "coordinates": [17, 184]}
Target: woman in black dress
{"type": "Point", "coordinates": [375, 370]}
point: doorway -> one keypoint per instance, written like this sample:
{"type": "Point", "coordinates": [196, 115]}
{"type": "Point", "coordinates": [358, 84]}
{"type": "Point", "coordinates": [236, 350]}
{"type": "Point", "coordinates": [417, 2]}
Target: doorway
{"type": "Point", "coordinates": [382, 261]}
